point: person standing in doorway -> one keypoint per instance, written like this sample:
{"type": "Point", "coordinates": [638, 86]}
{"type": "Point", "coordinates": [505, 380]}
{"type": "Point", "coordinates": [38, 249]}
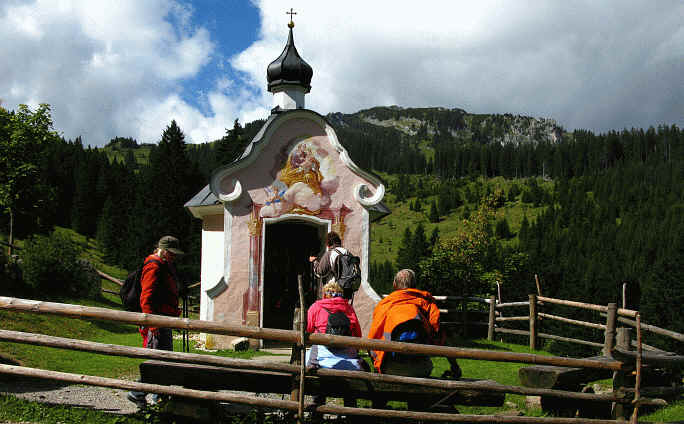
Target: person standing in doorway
{"type": "Point", "coordinates": [325, 266]}
{"type": "Point", "coordinates": [159, 296]}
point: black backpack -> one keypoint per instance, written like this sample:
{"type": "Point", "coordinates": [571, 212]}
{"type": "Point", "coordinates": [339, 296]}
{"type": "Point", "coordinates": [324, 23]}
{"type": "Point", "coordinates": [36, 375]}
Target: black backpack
{"type": "Point", "coordinates": [410, 331]}
{"type": "Point", "coordinates": [347, 270]}
{"type": "Point", "coordinates": [131, 289]}
{"type": "Point", "coordinates": [338, 324]}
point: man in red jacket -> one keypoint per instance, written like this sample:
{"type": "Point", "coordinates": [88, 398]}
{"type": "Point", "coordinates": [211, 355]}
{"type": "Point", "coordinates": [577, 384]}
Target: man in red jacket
{"type": "Point", "coordinates": [159, 296]}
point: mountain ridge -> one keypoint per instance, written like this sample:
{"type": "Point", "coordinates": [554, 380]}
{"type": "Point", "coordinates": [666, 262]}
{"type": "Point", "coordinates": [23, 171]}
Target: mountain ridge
{"type": "Point", "coordinates": [454, 124]}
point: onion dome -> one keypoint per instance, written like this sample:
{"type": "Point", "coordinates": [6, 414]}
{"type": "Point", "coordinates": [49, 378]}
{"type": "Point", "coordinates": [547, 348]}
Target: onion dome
{"type": "Point", "coordinates": [289, 68]}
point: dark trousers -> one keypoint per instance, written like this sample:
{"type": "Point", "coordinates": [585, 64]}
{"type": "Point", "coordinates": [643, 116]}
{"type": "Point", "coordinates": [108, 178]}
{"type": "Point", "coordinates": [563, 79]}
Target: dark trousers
{"type": "Point", "coordinates": [163, 340]}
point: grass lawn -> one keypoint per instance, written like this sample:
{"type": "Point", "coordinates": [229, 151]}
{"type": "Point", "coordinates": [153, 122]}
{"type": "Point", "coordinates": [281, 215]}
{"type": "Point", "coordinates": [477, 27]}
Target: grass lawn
{"type": "Point", "coordinates": [127, 368]}
{"type": "Point", "coordinates": [13, 410]}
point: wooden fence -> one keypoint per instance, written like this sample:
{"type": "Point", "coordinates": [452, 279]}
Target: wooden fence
{"type": "Point", "coordinates": [299, 337]}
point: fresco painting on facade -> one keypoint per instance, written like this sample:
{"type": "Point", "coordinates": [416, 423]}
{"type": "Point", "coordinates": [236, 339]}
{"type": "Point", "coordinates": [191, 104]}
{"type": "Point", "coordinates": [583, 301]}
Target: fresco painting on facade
{"type": "Point", "coordinates": [304, 182]}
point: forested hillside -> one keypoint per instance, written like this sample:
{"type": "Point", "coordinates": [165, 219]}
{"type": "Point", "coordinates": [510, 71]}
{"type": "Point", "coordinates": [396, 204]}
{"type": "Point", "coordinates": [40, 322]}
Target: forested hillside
{"type": "Point", "coordinates": [476, 199]}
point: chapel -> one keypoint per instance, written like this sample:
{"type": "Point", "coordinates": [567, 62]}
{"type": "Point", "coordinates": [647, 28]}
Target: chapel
{"type": "Point", "coordinates": [267, 212]}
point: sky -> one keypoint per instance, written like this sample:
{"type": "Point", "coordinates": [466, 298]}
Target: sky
{"type": "Point", "coordinates": [128, 67]}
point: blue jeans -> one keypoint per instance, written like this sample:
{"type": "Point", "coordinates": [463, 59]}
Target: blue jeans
{"type": "Point", "coordinates": [161, 341]}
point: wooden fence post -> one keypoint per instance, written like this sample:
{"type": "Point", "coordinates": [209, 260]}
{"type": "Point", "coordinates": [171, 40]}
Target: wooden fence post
{"type": "Point", "coordinates": [623, 340]}
{"type": "Point", "coordinates": [611, 320]}
{"type": "Point", "coordinates": [492, 317]}
{"type": "Point", "coordinates": [533, 321]}
{"type": "Point", "coordinates": [302, 359]}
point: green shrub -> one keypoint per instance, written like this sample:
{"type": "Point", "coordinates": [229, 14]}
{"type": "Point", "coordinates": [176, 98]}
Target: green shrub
{"type": "Point", "coordinates": [10, 275]}
{"type": "Point", "coordinates": [51, 267]}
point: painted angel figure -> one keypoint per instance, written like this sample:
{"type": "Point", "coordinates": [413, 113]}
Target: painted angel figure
{"type": "Point", "coordinates": [303, 181]}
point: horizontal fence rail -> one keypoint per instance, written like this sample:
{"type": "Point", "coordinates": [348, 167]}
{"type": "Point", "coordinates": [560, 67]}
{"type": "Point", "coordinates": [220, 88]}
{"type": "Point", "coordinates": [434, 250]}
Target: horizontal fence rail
{"type": "Point", "coordinates": [292, 336]}
{"type": "Point", "coordinates": [572, 321]}
{"type": "Point", "coordinates": [653, 329]}
{"type": "Point", "coordinates": [589, 306]}
{"type": "Point", "coordinates": [286, 404]}
{"type": "Point", "coordinates": [200, 359]}
{"type": "Point", "coordinates": [76, 311]}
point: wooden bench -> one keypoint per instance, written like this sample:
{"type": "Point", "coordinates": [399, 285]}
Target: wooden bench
{"type": "Point", "coordinates": [570, 379]}
{"type": "Point", "coordinates": [204, 377]}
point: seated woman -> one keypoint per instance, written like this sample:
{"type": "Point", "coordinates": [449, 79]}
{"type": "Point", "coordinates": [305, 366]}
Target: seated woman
{"type": "Point", "coordinates": [333, 315]}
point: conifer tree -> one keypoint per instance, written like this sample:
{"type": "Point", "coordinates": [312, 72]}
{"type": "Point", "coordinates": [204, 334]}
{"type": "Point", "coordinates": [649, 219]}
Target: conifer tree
{"type": "Point", "coordinates": [229, 147]}
{"type": "Point", "coordinates": [420, 247]}
{"type": "Point", "coordinates": [405, 257]}
{"type": "Point", "coordinates": [433, 214]}
{"type": "Point", "coordinates": [434, 238]}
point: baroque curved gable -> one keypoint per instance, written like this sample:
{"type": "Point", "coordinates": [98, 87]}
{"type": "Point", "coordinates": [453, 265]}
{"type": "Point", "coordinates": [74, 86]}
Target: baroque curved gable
{"type": "Point", "coordinates": [297, 164]}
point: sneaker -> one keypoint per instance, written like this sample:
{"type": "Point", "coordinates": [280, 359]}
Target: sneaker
{"type": "Point", "coordinates": [158, 399]}
{"type": "Point", "coordinates": [138, 400]}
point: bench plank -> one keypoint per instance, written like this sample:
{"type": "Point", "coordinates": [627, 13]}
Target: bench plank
{"type": "Point", "coordinates": [205, 377]}
{"type": "Point", "coordinates": [565, 378]}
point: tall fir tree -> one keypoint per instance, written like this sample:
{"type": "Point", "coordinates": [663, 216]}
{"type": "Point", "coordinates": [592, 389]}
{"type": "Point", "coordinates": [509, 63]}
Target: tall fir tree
{"type": "Point", "coordinates": [405, 257]}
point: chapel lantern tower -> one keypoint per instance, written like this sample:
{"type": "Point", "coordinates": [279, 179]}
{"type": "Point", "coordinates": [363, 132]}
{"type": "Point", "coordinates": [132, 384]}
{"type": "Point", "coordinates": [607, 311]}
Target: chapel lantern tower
{"type": "Point", "coordinates": [289, 77]}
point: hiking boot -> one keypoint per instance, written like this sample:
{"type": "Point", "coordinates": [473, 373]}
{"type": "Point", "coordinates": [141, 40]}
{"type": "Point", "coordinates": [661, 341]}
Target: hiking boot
{"type": "Point", "coordinates": [139, 400]}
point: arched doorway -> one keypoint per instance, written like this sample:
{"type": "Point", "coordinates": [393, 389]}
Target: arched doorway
{"type": "Point", "coordinates": [287, 247]}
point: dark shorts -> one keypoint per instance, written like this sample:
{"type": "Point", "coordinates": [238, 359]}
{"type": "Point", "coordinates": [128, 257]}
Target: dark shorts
{"type": "Point", "coordinates": [161, 341]}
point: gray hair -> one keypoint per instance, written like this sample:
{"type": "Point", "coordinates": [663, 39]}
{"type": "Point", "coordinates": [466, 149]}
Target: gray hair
{"type": "Point", "coordinates": [405, 279]}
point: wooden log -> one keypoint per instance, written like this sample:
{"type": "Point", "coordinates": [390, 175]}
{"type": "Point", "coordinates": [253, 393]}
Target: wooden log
{"type": "Point", "coordinates": [215, 378]}
{"type": "Point", "coordinates": [609, 335]}
{"type": "Point", "coordinates": [302, 345]}
{"type": "Point", "coordinates": [568, 340]}
{"type": "Point", "coordinates": [511, 304]}
{"type": "Point", "coordinates": [109, 277]}
{"type": "Point", "coordinates": [627, 312]}
{"type": "Point", "coordinates": [465, 385]}
{"type": "Point", "coordinates": [520, 318]}
{"type": "Point", "coordinates": [244, 364]}
{"type": "Point", "coordinates": [589, 306]}
{"type": "Point", "coordinates": [466, 391]}
{"type": "Point", "coordinates": [580, 305]}
{"type": "Point", "coordinates": [665, 361]}
{"type": "Point", "coordinates": [652, 348]}
{"type": "Point", "coordinates": [572, 321]}
{"type": "Point", "coordinates": [283, 404]}
{"type": "Point", "coordinates": [512, 331]}
{"type": "Point", "coordinates": [492, 318]}
{"type": "Point", "coordinates": [533, 322]}
{"type": "Point", "coordinates": [637, 383]}
{"type": "Point", "coordinates": [622, 339]}
{"type": "Point", "coordinates": [653, 329]}
{"type": "Point", "coordinates": [552, 377]}
{"type": "Point", "coordinates": [291, 336]}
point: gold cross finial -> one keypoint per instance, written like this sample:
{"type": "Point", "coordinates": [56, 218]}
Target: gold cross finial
{"type": "Point", "coordinates": [291, 13]}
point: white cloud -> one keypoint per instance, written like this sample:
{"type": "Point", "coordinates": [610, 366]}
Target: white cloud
{"type": "Point", "coordinates": [587, 64]}
{"type": "Point", "coordinates": [120, 68]}
{"type": "Point", "coordinates": [107, 69]}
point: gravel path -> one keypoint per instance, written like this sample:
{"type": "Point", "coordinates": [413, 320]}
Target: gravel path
{"type": "Point", "coordinates": [100, 398]}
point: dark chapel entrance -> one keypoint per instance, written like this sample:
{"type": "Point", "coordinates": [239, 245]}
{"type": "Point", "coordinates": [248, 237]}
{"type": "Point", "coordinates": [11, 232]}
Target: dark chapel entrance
{"type": "Point", "coordinates": [288, 245]}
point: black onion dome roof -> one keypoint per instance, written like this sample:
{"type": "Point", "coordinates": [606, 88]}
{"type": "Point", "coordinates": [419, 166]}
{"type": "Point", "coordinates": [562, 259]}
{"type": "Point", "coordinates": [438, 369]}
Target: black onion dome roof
{"type": "Point", "coordinates": [289, 68]}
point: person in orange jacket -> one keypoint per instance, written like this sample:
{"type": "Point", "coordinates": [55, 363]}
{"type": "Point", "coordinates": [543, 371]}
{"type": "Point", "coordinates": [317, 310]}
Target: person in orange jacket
{"type": "Point", "coordinates": [407, 315]}
{"type": "Point", "coordinates": [159, 296]}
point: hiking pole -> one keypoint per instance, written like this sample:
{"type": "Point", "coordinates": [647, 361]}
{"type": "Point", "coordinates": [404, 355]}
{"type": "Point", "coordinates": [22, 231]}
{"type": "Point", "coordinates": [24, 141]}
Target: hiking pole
{"type": "Point", "coordinates": [186, 337]}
